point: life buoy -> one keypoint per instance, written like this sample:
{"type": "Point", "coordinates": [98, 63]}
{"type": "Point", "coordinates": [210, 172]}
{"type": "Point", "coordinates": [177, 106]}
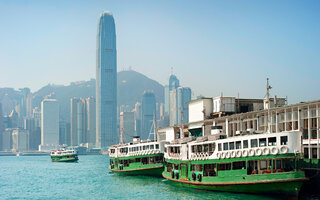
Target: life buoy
{"type": "Point", "coordinates": [251, 152]}
{"type": "Point", "coordinates": [238, 154]}
{"type": "Point", "coordinates": [266, 151]}
{"type": "Point", "coordinates": [177, 175]}
{"type": "Point", "coordinates": [194, 176]}
{"type": "Point", "coordinates": [218, 155]}
{"type": "Point", "coordinates": [258, 152]}
{"type": "Point", "coordinates": [223, 155]}
{"type": "Point", "coordinates": [274, 150]}
{"type": "Point", "coordinates": [172, 174]}
{"type": "Point", "coordinates": [244, 153]}
{"type": "Point", "coordinates": [284, 149]}
{"type": "Point", "coordinates": [233, 154]}
{"type": "Point", "coordinates": [228, 154]}
{"type": "Point", "coordinates": [199, 177]}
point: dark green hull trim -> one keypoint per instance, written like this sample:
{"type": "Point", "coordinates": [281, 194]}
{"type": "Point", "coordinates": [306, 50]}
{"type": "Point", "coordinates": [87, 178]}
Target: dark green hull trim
{"type": "Point", "coordinates": [283, 187]}
{"type": "Point", "coordinates": [63, 159]}
{"type": "Point", "coordinates": [154, 171]}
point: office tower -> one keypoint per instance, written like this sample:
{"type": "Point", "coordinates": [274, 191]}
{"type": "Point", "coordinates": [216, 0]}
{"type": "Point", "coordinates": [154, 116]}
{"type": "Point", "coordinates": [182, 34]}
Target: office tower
{"type": "Point", "coordinates": [178, 99]}
{"type": "Point", "coordinates": [78, 121]}
{"type": "Point", "coordinates": [106, 82]}
{"type": "Point", "coordinates": [173, 84]}
{"type": "Point", "coordinates": [64, 133]}
{"type": "Point", "coordinates": [36, 115]}
{"type": "Point", "coordinates": [20, 140]}
{"type": "Point", "coordinates": [127, 126]}
{"type": "Point", "coordinates": [29, 105]}
{"type": "Point", "coordinates": [6, 138]}
{"type": "Point", "coordinates": [34, 133]}
{"type": "Point", "coordinates": [91, 120]}
{"type": "Point", "coordinates": [148, 110]}
{"type": "Point", "coordinates": [49, 123]}
{"type": "Point", "coordinates": [14, 119]}
{"type": "Point", "coordinates": [137, 119]}
{"type": "Point", "coordinates": [25, 92]}
{"type": "Point", "coordinates": [183, 96]}
{"type": "Point", "coordinates": [173, 114]}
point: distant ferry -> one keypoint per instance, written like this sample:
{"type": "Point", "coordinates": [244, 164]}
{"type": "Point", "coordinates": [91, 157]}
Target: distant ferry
{"type": "Point", "coordinates": [137, 158]}
{"type": "Point", "coordinates": [255, 163]}
{"type": "Point", "coordinates": [64, 155]}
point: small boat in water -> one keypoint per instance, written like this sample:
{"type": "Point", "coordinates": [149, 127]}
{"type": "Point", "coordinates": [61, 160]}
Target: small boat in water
{"type": "Point", "coordinates": [64, 155]}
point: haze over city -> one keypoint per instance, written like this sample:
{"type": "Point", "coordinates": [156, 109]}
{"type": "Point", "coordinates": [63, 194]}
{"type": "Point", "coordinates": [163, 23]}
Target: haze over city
{"type": "Point", "coordinates": [213, 47]}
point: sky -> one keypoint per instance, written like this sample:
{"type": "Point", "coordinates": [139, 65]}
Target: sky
{"type": "Point", "coordinates": [213, 47]}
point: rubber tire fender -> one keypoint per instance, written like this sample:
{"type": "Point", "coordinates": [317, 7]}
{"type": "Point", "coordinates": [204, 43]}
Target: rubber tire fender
{"type": "Point", "coordinates": [199, 177]}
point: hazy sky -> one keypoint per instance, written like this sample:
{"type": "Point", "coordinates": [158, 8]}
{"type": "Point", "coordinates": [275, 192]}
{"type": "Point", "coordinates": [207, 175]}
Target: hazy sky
{"type": "Point", "coordinates": [213, 46]}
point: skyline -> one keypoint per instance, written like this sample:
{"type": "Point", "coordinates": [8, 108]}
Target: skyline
{"type": "Point", "coordinates": [199, 40]}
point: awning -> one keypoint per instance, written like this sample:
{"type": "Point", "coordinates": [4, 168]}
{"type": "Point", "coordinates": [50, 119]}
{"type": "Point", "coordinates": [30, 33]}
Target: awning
{"type": "Point", "coordinates": [195, 125]}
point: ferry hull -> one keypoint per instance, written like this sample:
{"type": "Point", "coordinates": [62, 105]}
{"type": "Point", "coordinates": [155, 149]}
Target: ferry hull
{"type": "Point", "coordinates": [73, 159]}
{"type": "Point", "coordinates": [283, 187]}
{"type": "Point", "coordinates": [153, 171]}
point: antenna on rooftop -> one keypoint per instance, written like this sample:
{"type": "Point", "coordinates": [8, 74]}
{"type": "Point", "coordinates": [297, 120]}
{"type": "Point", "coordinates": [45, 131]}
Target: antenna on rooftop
{"type": "Point", "coordinates": [268, 104]}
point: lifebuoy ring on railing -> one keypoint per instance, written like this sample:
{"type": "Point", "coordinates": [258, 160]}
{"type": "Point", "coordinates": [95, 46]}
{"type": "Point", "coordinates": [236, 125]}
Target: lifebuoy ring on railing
{"type": "Point", "coordinates": [199, 177]}
{"type": "Point", "coordinates": [228, 154]}
{"type": "Point", "coordinates": [239, 154]}
{"type": "Point", "coordinates": [223, 155]}
{"type": "Point", "coordinates": [252, 152]}
{"type": "Point", "coordinates": [258, 152]}
{"type": "Point", "coordinates": [218, 155]}
{"type": "Point", "coordinates": [194, 176]}
{"type": "Point", "coordinates": [266, 151]}
{"type": "Point", "coordinates": [245, 153]}
{"type": "Point", "coordinates": [233, 154]}
{"type": "Point", "coordinates": [274, 150]}
{"type": "Point", "coordinates": [284, 149]}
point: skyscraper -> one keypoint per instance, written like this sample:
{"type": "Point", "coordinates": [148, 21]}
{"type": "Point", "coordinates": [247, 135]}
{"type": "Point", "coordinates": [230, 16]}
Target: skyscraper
{"type": "Point", "coordinates": [127, 126]}
{"type": "Point", "coordinates": [173, 84]}
{"type": "Point", "coordinates": [77, 121]}
{"type": "Point", "coordinates": [183, 96]}
{"type": "Point", "coordinates": [106, 82]}
{"type": "Point", "coordinates": [148, 110]}
{"type": "Point", "coordinates": [91, 120]}
{"type": "Point", "coordinates": [49, 123]}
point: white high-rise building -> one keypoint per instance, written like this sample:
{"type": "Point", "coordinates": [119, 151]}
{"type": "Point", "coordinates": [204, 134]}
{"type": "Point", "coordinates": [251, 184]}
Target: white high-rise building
{"type": "Point", "coordinates": [49, 124]}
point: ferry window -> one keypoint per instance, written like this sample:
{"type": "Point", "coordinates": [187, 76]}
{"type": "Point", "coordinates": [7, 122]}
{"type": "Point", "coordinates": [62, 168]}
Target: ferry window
{"type": "Point", "coordinates": [238, 144]}
{"type": "Point", "coordinates": [288, 164]}
{"type": "Point", "coordinates": [126, 149]}
{"type": "Point", "coordinates": [278, 164]}
{"type": "Point", "coordinates": [206, 147]}
{"type": "Point", "coordinates": [245, 144]}
{"type": "Point", "coordinates": [193, 167]}
{"type": "Point", "coordinates": [263, 164]}
{"type": "Point", "coordinates": [176, 166]}
{"type": "Point", "coordinates": [140, 148]}
{"type": "Point", "coordinates": [131, 160]}
{"type": "Point", "coordinates": [239, 165]}
{"type": "Point", "coordinates": [262, 142]}
{"type": "Point", "coordinates": [169, 167]}
{"type": "Point", "coordinates": [151, 146]}
{"type": "Point", "coordinates": [210, 170]}
{"type": "Point", "coordinates": [112, 150]}
{"type": "Point", "coordinates": [231, 145]}
{"type": "Point", "coordinates": [272, 141]}
{"type": "Point", "coordinates": [151, 160]}
{"type": "Point", "coordinates": [147, 147]}
{"type": "Point", "coordinates": [225, 146]}
{"type": "Point", "coordinates": [198, 168]}
{"type": "Point", "coordinates": [284, 140]}
{"type": "Point", "coordinates": [254, 143]}
{"type": "Point", "coordinates": [157, 146]}
{"type": "Point", "coordinates": [224, 166]}
{"type": "Point", "coordinates": [219, 147]}
{"type": "Point", "coordinates": [210, 147]}
{"type": "Point", "coordinates": [199, 148]}
{"type": "Point", "coordinates": [165, 149]}
{"type": "Point", "coordinates": [193, 148]}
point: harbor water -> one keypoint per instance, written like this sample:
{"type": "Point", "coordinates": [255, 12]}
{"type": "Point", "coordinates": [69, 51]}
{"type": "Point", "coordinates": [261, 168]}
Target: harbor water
{"type": "Point", "coordinates": [36, 177]}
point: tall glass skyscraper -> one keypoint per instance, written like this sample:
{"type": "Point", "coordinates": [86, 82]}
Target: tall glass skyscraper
{"type": "Point", "coordinates": [148, 110]}
{"type": "Point", "coordinates": [106, 82]}
{"type": "Point", "coordinates": [174, 83]}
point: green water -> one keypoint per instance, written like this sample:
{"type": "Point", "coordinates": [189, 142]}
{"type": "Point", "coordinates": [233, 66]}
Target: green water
{"type": "Point", "coordinates": [36, 177]}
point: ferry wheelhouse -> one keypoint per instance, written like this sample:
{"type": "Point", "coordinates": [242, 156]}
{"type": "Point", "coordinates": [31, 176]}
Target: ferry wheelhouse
{"type": "Point", "coordinates": [251, 163]}
{"type": "Point", "coordinates": [64, 155]}
{"type": "Point", "coordinates": [137, 158]}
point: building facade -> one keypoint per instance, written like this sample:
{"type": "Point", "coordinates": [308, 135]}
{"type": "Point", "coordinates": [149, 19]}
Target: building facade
{"type": "Point", "coordinates": [49, 122]}
{"type": "Point", "coordinates": [106, 82]}
{"type": "Point", "coordinates": [148, 111]}
{"type": "Point", "coordinates": [127, 126]}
